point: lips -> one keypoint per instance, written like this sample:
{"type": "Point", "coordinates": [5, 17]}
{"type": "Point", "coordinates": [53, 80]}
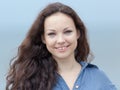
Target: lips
{"type": "Point", "coordinates": [62, 48]}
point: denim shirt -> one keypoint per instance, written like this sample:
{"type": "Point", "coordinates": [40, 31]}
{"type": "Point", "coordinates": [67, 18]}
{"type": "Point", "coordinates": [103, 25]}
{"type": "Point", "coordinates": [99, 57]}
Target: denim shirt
{"type": "Point", "coordinates": [90, 78]}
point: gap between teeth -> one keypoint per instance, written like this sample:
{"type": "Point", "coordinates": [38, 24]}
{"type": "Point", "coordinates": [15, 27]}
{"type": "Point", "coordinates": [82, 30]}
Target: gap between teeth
{"type": "Point", "coordinates": [62, 48]}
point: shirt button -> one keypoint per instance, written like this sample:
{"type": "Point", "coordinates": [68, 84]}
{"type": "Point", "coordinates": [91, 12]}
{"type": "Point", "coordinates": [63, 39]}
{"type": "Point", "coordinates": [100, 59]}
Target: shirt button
{"type": "Point", "coordinates": [76, 86]}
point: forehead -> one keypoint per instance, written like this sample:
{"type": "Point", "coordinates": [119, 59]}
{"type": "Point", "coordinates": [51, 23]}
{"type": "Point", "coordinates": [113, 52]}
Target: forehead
{"type": "Point", "coordinates": [58, 20]}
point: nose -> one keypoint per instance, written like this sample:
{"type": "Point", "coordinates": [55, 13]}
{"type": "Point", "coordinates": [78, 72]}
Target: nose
{"type": "Point", "coordinates": [60, 39]}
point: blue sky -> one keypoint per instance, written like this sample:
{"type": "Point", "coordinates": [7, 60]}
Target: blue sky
{"type": "Point", "coordinates": [101, 17]}
{"type": "Point", "coordinates": [90, 11]}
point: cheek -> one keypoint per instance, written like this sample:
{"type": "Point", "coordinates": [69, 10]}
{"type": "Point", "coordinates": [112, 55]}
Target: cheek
{"type": "Point", "coordinates": [50, 46]}
{"type": "Point", "coordinates": [49, 43]}
{"type": "Point", "coordinates": [72, 38]}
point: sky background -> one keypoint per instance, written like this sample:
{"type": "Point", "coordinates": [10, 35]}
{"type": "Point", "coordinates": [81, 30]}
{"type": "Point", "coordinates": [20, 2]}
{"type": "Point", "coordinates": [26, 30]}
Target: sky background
{"type": "Point", "coordinates": [101, 18]}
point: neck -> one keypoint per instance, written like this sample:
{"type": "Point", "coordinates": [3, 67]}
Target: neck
{"type": "Point", "coordinates": [67, 65]}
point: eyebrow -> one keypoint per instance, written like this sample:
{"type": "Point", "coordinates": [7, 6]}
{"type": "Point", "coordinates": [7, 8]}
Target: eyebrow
{"type": "Point", "coordinates": [66, 28]}
{"type": "Point", "coordinates": [51, 29]}
{"type": "Point", "coordinates": [55, 30]}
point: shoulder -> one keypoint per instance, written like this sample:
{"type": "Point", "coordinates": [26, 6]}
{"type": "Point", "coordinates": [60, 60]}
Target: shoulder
{"type": "Point", "coordinates": [98, 77]}
{"type": "Point", "coordinates": [96, 73]}
{"type": "Point", "coordinates": [92, 71]}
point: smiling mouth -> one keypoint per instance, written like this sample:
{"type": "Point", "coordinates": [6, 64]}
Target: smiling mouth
{"type": "Point", "coordinates": [63, 48]}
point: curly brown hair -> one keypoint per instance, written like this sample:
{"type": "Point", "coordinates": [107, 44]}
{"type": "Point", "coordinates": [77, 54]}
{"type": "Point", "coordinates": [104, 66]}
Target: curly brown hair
{"type": "Point", "coordinates": [33, 67]}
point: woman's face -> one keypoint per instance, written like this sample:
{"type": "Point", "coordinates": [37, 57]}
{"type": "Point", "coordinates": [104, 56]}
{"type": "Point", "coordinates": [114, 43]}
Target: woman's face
{"type": "Point", "coordinates": [60, 36]}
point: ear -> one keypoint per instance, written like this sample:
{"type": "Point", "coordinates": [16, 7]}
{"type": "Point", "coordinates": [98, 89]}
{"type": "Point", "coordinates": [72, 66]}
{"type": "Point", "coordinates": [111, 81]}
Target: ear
{"type": "Point", "coordinates": [78, 34]}
{"type": "Point", "coordinates": [43, 39]}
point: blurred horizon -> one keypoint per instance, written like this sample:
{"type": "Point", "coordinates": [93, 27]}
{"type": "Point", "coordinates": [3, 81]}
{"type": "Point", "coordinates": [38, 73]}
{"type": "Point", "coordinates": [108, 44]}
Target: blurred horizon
{"type": "Point", "coordinates": [101, 19]}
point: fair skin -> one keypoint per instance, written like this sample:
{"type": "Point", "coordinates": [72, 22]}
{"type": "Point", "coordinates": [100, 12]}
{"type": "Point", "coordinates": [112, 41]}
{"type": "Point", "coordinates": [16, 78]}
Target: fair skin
{"type": "Point", "coordinates": [60, 38]}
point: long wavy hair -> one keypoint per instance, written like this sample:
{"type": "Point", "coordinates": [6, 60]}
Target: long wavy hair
{"type": "Point", "coordinates": [34, 68]}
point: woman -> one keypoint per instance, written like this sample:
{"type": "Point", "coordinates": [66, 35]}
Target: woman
{"type": "Point", "coordinates": [54, 54]}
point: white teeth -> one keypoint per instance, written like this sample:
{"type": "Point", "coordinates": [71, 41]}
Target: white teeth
{"type": "Point", "coordinates": [61, 48]}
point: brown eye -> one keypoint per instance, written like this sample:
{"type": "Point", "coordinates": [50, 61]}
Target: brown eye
{"type": "Point", "coordinates": [68, 32]}
{"type": "Point", "coordinates": [51, 34]}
